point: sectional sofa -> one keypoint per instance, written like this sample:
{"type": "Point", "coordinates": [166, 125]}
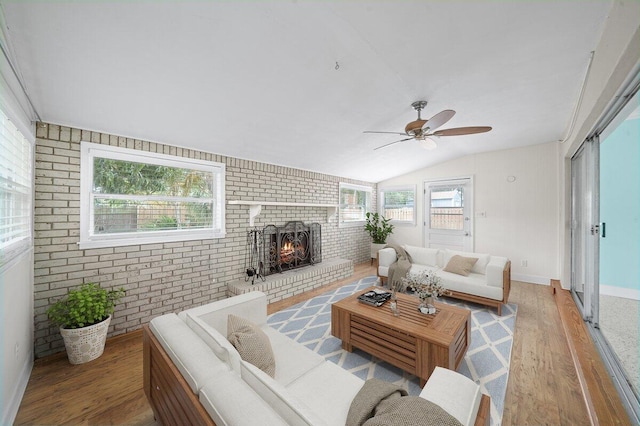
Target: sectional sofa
{"type": "Point", "coordinates": [193, 375]}
{"type": "Point", "coordinates": [488, 283]}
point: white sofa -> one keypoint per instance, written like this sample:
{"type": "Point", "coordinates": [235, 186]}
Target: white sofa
{"type": "Point", "coordinates": [488, 283]}
{"type": "Point", "coordinates": [193, 375]}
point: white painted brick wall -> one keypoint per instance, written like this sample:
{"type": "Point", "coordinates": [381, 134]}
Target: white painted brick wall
{"type": "Point", "coordinates": [162, 278]}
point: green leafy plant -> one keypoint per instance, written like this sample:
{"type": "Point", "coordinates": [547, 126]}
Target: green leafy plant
{"type": "Point", "coordinates": [164, 222]}
{"type": "Point", "coordinates": [378, 227]}
{"type": "Point", "coordinates": [85, 306]}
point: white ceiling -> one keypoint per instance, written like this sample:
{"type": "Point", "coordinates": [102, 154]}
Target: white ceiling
{"type": "Point", "coordinates": [259, 80]}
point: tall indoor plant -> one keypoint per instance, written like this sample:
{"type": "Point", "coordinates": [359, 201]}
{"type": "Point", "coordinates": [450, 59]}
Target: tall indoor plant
{"type": "Point", "coordinates": [83, 316]}
{"type": "Point", "coordinates": [379, 229]}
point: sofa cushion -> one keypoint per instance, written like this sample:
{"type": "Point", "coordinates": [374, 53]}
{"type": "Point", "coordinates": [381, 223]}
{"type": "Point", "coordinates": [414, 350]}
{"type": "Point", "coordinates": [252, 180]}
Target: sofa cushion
{"type": "Point", "coordinates": [195, 360]}
{"type": "Point", "coordinates": [460, 265]}
{"type": "Point", "coordinates": [455, 393]}
{"type": "Point", "coordinates": [292, 359]}
{"type": "Point", "coordinates": [422, 255]}
{"type": "Point", "coordinates": [287, 405]}
{"type": "Point", "coordinates": [478, 268]}
{"type": "Point", "coordinates": [230, 401]}
{"type": "Point", "coordinates": [252, 306]}
{"type": "Point", "coordinates": [417, 269]}
{"type": "Point", "coordinates": [215, 340]}
{"type": "Point", "coordinates": [473, 284]}
{"type": "Point", "coordinates": [251, 343]}
{"type": "Point", "coordinates": [337, 389]}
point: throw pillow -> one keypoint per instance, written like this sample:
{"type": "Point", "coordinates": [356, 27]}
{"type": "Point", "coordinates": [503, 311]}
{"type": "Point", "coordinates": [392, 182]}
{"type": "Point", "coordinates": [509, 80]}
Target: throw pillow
{"type": "Point", "coordinates": [460, 265]}
{"type": "Point", "coordinates": [252, 344]}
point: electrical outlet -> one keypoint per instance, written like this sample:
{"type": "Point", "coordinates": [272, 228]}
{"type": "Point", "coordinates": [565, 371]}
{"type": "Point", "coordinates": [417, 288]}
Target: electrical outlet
{"type": "Point", "coordinates": [17, 350]}
{"type": "Point", "coordinates": [524, 263]}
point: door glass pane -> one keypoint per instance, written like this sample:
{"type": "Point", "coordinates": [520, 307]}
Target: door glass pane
{"type": "Point", "coordinates": [619, 275]}
{"type": "Point", "coordinates": [578, 208]}
{"type": "Point", "coordinates": [447, 204]}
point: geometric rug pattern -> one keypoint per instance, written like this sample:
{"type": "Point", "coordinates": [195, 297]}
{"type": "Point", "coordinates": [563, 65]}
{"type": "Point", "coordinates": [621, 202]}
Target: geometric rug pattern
{"type": "Point", "coordinates": [486, 361]}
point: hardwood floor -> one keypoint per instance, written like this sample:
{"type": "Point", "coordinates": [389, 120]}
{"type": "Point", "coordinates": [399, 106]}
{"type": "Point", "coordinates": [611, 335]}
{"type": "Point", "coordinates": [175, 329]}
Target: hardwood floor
{"type": "Point", "coordinates": [543, 385]}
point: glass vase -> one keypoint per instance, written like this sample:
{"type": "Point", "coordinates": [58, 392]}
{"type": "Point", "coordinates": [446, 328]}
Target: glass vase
{"type": "Point", "coordinates": [394, 303]}
{"type": "Point", "coordinates": [426, 305]}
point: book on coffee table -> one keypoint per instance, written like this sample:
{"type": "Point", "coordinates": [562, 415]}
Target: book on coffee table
{"type": "Point", "coordinates": [374, 297]}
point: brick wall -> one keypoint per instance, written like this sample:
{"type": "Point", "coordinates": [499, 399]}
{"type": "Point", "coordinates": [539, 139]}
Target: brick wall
{"type": "Point", "coordinates": [168, 277]}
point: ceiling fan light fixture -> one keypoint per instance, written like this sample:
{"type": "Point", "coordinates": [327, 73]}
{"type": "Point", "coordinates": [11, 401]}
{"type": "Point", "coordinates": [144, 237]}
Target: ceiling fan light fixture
{"type": "Point", "coordinates": [428, 144]}
{"type": "Point", "coordinates": [421, 130]}
{"type": "Point", "coordinates": [415, 127]}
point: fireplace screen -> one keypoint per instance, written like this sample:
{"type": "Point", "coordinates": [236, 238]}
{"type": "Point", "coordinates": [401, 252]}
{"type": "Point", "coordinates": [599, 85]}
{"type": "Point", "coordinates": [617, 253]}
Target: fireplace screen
{"type": "Point", "coordinates": [291, 246]}
{"type": "Point", "coordinates": [281, 248]}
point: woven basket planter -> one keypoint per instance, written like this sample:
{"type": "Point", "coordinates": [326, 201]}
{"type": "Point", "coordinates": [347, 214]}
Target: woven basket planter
{"type": "Point", "coordinates": [87, 343]}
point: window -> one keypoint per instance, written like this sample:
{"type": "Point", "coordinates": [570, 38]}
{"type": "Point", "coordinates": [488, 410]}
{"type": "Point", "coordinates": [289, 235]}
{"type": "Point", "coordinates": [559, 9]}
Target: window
{"type": "Point", "coordinates": [136, 197]}
{"type": "Point", "coordinates": [399, 204]}
{"type": "Point", "coordinates": [16, 213]}
{"type": "Point", "coordinates": [355, 202]}
{"type": "Point", "coordinates": [447, 211]}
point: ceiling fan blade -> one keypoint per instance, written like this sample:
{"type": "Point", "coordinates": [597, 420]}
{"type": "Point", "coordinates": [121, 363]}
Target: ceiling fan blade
{"type": "Point", "coordinates": [388, 133]}
{"type": "Point", "coordinates": [428, 144]}
{"type": "Point", "coordinates": [439, 119]}
{"type": "Point", "coordinates": [461, 131]}
{"type": "Point", "coordinates": [391, 143]}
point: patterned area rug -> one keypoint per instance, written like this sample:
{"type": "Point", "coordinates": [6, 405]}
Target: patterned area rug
{"type": "Point", "coordinates": [486, 361]}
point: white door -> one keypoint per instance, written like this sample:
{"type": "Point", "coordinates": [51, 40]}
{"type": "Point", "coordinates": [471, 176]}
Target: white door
{"type": "Point", "coordinates": [448, 220]}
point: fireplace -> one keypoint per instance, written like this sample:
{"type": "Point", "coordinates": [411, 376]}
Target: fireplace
{"type": "Point", "coordinates": [281, 248]}
{"type": "Point", "coordinates": [291, 246]}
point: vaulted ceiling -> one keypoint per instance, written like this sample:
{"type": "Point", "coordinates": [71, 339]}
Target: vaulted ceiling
{"type": "Point", "coordinates": [296, 83]}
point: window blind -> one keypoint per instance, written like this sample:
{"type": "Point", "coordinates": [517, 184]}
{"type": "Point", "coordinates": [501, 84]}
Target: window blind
{"type": "Point", "coordinates": [16, 213]}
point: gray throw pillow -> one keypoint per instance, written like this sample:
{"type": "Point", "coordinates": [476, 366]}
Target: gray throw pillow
{"type": "Point", "coordinates": [252, 343]}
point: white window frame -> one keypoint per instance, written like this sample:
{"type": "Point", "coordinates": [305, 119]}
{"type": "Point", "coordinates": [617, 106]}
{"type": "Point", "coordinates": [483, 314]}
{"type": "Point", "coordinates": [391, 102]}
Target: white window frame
{"type": "Point", "coordinates": [367, 207]}
{"type": "Point", "coordinates": [403, 188]}
{"type": "Point", "coordinates": [16, 177]}
{"type": "Point", "coordinates": [89, 151]}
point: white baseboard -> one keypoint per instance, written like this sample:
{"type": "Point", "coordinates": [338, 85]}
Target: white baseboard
{"type": "Point", "coordinates": [534, 279]}
{"type": "Point", "coordinates": [13, 402]}
{"type": "Point", "coordinates": [627, 293]}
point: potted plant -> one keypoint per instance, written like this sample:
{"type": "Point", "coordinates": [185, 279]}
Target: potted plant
{"type": "Point", "coordinates": [84, 316]}
{"type": "Point", "coordinates": [379, 229]}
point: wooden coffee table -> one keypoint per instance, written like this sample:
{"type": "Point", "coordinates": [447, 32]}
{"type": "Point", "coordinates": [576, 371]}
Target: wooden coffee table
{"type": "Point", "coordinates": [412, 341]}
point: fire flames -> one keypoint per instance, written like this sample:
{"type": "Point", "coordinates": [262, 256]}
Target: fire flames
{"type": "Point", "coordinates": [288, 252]}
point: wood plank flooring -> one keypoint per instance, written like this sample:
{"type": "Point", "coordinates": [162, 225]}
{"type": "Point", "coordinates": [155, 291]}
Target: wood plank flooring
{"type": "Point", "coordinates": [543, 386]}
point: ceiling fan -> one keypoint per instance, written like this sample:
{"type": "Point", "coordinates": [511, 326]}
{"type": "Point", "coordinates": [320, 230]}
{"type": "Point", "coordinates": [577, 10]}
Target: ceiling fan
{"type": "Point", "coordinates": [423, 130]}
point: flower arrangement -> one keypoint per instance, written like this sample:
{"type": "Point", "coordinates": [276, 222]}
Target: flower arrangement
{"type": "Point", "coordinates": [425, 284]}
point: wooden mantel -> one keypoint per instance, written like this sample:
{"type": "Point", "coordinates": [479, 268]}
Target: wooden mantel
{"type": "Point", "coordinates": [255, 207]}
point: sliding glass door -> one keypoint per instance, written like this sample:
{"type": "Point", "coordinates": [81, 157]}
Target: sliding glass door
{"type": "Point", "coordinates": [605, 244]}
{"type": "Point", "coordinates": [584, 221]}
{"type": "Point", "coordinates": [619, 245]}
